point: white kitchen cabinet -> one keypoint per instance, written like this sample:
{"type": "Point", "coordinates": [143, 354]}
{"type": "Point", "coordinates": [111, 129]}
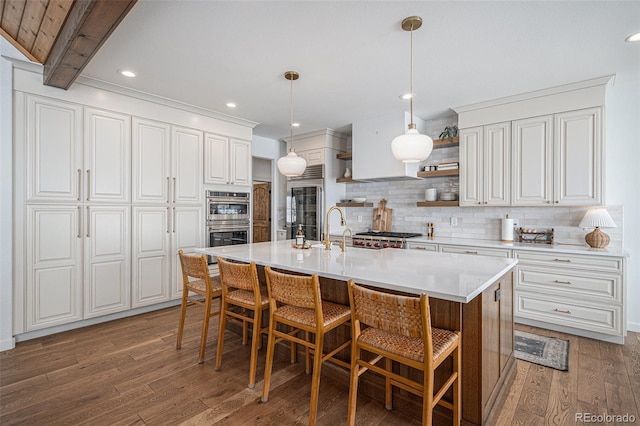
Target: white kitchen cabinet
{"type": "Point", "coordinates": [187, 235]}
{"type": "Point", "coordinates": [151, 260]}
{"type": "Point", "coordinates": [312, 156]}
{"type": "Point", "coordinates": [485, 164]}
{"type": "Point", "coordinates": [53, 150]}
{"type": "Point", "coordinates": [107, 154]}
{"type": "Point", "coordinates": [167, 163]}
{"type": "Point", "coordinates": [227, 161]}
{"type": "Point", "coordinates": [584, 293]}
{"type": "Point", "coordinates": [151, 161]}
{"type": "Point", "coordinates": [186, 165]}
{"type": "Point", "coordinates": [107, 260]}
{"type": "Point", "coordinates": [472, 250]}
{"type": "Point", "coordinates": [53, 249]}
{"type": "Point", "coordinates": [422, 246]}
{"type": "Point", "coordinates": [558, 159]}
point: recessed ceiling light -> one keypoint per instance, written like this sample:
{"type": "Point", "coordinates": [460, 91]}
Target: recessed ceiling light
{"type": "Point", "coordinates": [127, 73]}
{"type": "Point", "coordinates": [296, 124]}
{"type": "Point", "coordinates": [231, 105]}
{"type": "Point", "coordinates": [633, 38]}
{"type": "Point", "coordinates": [407, 96]}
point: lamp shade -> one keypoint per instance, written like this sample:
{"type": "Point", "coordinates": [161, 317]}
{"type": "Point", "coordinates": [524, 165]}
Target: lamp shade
{"type": "Point", "coordinates": [412, 147]}
{"type": "Point", "coordinates": [597, 218]}
{"type": "Point", "coordinates": [291, 164]}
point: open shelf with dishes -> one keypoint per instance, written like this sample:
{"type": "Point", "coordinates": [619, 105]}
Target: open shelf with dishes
{"type": "Point", "coordinates": [439, 173]}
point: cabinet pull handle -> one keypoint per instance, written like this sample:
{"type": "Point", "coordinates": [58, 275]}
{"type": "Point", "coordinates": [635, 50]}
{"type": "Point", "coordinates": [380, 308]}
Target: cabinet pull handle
{"type": "Point", "coordinates": [174, 190]}
{"type": "Point", "coordinates": [562, 311]}
{"type": "Point", "coordinates": [548, 202]}
{"type": "Point", "coordinates": [88, 222]}
{"type": "Point", "coordinates": [79, 184]}
{"type": "Point", "coordinates": [168, 217]}
{"type": "Point", "coordinates": [471, 251]}
{"type": "Point", "coordinates": [168, 191]}
{"type": "Point", "coordinates": [561, 260]}
{"type": "Point", "coordinates": [174, 220]}
{"type": "Point", "coordinates": [562, 282]}
{"type": "Point", "coordinates": [88, 183]}
{"type": "Point", "coordinates": [79, 222]}
{"type": "Point", "coordinates": [420, 248]}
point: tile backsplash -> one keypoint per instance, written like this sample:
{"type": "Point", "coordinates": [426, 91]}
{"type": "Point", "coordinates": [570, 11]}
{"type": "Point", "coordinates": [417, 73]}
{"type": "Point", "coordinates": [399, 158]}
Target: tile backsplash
{"type": "Point", "coordinates": [472, 222]}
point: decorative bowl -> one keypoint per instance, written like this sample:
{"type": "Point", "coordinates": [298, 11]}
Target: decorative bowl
{"type": "Point", "coordinates": [359, 199]}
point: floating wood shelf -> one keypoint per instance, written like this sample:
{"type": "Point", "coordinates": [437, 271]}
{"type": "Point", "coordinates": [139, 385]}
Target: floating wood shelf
{"type": "Point", "coordinates": [439, 173]}
{"type": "Point", "coordinates": [438, 203]}
{"type": "Point", "coordinates": [344, 156]}
{"type": "Point", "coordinates": [445, 143]}
{"type": "Point", "coordinates": [351, 204]}
{"type": "Point", "coordinates": [346, 180]}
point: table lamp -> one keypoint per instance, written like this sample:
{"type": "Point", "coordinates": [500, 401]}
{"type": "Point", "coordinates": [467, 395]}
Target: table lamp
{"type": "Point", "coordinates": [597, 218]}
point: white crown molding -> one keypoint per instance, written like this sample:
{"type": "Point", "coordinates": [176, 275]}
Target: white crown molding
{"type": "Point", "coordinates": [600, 81]}
{"type": "Point", "coordinates": [125, 91]}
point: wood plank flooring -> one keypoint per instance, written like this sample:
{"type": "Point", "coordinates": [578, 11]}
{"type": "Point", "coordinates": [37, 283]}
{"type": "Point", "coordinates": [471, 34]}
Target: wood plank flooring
{"type": "Point", "coordinates": [128, 372]}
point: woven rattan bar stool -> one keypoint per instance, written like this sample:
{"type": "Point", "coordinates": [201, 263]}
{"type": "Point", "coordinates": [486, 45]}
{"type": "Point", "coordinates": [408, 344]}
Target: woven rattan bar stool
{"type": "Point", "coordinates": [399, 329]}
{"type": "Point", "coordinates": [296, 302]}
{"type": "Point", "coordinates": [241, 297]}
{"type": "Point", "coordinates": [196, 279]}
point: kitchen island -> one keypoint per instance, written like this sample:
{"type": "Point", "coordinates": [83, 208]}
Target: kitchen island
{"type": "Point", "coordinates": [473, 294]}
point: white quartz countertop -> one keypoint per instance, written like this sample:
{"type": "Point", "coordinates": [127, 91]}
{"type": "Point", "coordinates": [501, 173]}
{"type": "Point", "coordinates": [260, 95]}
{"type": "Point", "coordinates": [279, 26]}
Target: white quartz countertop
{"type": "Point", "coordinates": [556, 248]}
{"type": "Point", "coordinates": [454, 277]}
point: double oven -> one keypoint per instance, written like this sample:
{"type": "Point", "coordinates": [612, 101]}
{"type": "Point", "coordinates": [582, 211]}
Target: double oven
{"type": "Point", "coordinates": [228, 218]}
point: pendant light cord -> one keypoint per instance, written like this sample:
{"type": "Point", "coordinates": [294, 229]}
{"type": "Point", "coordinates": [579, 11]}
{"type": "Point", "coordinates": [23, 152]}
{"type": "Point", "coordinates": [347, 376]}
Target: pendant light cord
{"type": "Point", "coordinates": [411, 77]}
{"type": "Point", "coordinates": [291, 114]}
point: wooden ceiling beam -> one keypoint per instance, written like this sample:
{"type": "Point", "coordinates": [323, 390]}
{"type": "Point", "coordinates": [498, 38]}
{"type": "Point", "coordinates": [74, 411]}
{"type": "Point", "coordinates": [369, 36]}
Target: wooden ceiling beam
{"type": "Point", "coordinates": [88, 25]}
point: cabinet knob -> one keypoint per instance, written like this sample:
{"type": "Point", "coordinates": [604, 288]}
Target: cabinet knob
{"type": "Point", "coordinates": [548, 202]}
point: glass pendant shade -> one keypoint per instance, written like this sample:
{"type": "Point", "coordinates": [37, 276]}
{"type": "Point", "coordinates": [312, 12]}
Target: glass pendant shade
{"type": "Point", "coordinates": [292, 165]}
{"type": "Point", "coordinates": [412, 147]}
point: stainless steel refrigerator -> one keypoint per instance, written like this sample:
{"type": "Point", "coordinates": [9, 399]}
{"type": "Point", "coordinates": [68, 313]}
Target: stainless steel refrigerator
{"type": "Point", "coordinates": [305, 206]}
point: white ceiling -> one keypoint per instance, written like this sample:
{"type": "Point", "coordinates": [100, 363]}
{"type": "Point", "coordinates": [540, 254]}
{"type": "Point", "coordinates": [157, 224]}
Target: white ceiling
{"type": "Point", "coordinates": [353, 57]}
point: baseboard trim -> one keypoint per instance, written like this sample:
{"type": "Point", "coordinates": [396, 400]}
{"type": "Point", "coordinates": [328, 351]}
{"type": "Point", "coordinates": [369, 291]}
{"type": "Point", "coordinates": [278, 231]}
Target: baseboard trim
{"type": "Point", "coordinates": [7, 344]}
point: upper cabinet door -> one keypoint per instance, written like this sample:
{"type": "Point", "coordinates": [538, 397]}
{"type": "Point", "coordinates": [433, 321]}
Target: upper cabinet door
{"type": "Point", "coordinates": [578, 157]}
{"type": "Point", "coordinates": [107, 156]}
{"type": "Point", "coordinates": [471, 166]}
{"type": "Point", "coordinates": [54, 150]}
{"type": "Point", "coordinates": [186, 160]}
{"type": "Point", "coordinates": [216, 159]}
{"type": "Point", "coordinates": [497, 164]}
{"type": "Point", "coordinates": [240, 162]}
{"type": "Point", "coordinates": [532, 161]}
{"type": "Point", "coordinates": [151, 161]}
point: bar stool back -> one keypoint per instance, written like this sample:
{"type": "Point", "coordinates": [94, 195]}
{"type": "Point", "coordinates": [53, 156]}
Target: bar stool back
{"type": "Point", "coordinates": [295, 301]}
{"type": "Point", "coordinates": [196, 279]}
{"type": "Point", "coordinates": [399, 329]}
{"type": "Point", "coordinates": [241, 301]}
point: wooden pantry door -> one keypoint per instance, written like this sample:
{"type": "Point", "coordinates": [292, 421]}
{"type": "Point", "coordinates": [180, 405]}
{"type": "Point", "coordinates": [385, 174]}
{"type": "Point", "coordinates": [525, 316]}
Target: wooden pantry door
{"type": "Point", "coordinates": [261, 212]}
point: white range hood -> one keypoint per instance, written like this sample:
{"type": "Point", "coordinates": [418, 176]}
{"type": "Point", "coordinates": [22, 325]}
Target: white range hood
{"type": "Point", "coordinates": [371, 147]}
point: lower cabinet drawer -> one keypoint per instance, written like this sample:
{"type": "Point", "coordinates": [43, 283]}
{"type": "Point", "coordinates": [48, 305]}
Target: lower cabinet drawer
{"type": "Point", "coordinates": [422, 246]}
{"type": "Point", "coordinates": [578, 284]}
{"type": "Point", "coordinates": [475, 250]}
{"type": "Point", "coordinates": [605, 319]}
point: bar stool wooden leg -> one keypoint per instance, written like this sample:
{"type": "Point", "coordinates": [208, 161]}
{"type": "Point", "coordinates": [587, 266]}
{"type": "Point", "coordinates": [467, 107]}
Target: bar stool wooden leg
{"type": "Point", "coordinates": [457, 391]}
{"type": "Point", "coordinates": [427, 399]}
{"type": "Point", "coordinates": [221, 328]}
{"type": "Point", "coordinates": [315, 378]}
{"type": "Point", "coordinates": [294, 350]}
{"type": "Point", "coordinates": [254, 348]}
{"type": "Point", "coordinates": [388, 391]}
{"type": "Point", "coordinates": [205, 328]}
{"type": "Point", "coordinates": [183, 314]}
{"type": "Point", "coordinates": [307, 355]}
{"type": "Point", "coordinates": [271, 343]}
{"type": "Point", "coordinates": [353, 385]}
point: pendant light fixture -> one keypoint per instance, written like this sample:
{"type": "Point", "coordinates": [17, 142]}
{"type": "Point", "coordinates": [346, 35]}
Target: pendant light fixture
{"type": "Point", "coordinates": [412, 147]}
{"type": "Point", "coordinates": [291, 164]}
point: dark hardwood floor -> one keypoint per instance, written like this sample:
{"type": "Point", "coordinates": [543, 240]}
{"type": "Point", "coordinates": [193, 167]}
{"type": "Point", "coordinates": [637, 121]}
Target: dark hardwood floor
{"type": "Point", "coordinates": [129, 372]}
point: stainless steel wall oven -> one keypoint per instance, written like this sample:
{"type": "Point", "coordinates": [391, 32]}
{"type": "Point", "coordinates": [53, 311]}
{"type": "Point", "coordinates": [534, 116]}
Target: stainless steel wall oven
{"type": "Point", "coordinates": [228, 218]}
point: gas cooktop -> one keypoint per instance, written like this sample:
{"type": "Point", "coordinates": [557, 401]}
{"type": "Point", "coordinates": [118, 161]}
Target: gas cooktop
{"type": "Point", "coordinates": [388, 234]}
